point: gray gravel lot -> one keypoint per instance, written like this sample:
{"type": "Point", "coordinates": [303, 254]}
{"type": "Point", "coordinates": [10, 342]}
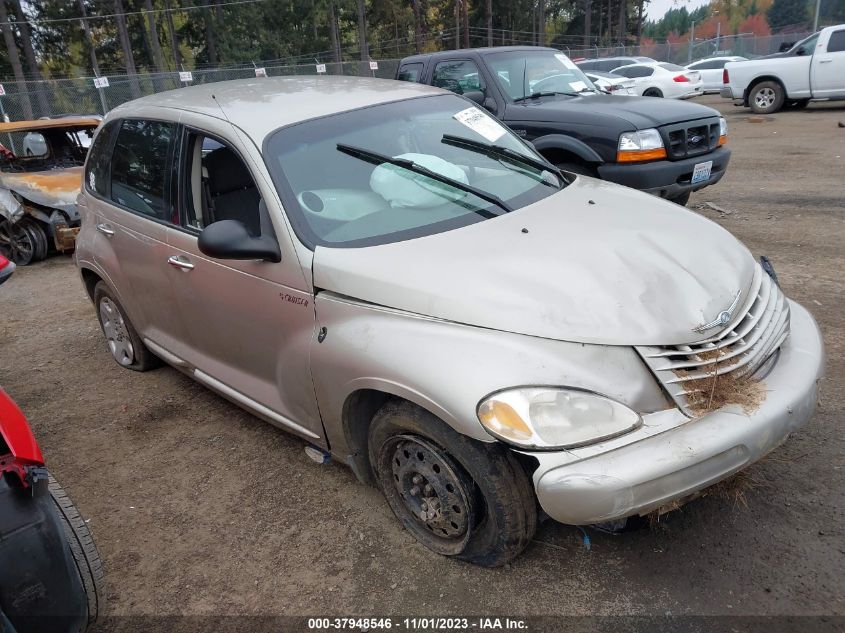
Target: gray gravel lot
{"type": "Point", "coordinates": [199, 508]}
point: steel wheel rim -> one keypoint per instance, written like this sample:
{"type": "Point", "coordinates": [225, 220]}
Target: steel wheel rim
{"type": "Point", "coordinates": [429, 493]}
{"type": "Point", "coordinates": [117, 335]}
{"type": "Point", "coordinates": [17, 242]}
{"type": "Point", "coordinates": [765, 98]}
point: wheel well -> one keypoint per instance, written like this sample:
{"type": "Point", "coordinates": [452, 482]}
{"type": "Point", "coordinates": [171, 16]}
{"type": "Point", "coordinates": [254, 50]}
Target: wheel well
{"type": "Point", "coordinates": [758, 80]}
{"type": "Point", "coordinates": [558, 156]}
{"type": "Point", "coordinates": [358, 411]}
{"type": "Point", "coordinates": [90, 279]}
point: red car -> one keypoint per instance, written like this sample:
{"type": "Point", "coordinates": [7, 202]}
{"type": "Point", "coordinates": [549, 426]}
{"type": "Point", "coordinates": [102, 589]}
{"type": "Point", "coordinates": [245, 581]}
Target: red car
{"type": "Point", "coordinates": [50, 571]}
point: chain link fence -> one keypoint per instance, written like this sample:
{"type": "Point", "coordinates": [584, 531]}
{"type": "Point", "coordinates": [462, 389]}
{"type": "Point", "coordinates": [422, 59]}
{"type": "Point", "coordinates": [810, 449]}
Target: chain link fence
{"type": "Point", "coordinates": [49, 98]}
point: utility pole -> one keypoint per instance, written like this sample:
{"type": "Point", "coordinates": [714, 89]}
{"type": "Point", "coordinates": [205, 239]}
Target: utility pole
{"type": "Point", "coordinates": [816, 20]}
{"type": "Point", "coordinates": [691, 42]}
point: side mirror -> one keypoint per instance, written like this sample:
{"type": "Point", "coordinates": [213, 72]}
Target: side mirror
{"type": "Point", "coordinates": [800, 51]}
{"type": "Point", "coordinates": [475, 95]}
{"type": "Point", "coordinates": [229, 239]}
{"type": "Point", "coordinates": [490, 105]}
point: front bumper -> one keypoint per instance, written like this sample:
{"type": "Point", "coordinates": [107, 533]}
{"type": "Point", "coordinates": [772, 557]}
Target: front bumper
{"type": "Point", "coordinates": [644, 475]}
{"type": "Point", "coordinates": [666, 178]}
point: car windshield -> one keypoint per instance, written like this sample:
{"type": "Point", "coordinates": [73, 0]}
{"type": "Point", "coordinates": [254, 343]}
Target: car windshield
{"type": "Point", "coordinates": [521, 74]}
{"type": "Point", "coordinates": [402, 170]}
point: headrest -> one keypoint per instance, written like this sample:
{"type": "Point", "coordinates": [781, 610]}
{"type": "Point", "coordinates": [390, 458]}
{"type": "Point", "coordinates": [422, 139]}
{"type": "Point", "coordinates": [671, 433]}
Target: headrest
{"type": "Point", "coordinates": [226, 172]}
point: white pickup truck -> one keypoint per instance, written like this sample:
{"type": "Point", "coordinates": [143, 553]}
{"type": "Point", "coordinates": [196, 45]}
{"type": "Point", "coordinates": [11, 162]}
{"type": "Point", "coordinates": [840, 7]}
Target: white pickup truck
{"type": "Point", "coordinates": [812, 69]}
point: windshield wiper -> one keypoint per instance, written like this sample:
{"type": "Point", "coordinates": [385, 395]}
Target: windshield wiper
{"type": "Point", "coordinates": [537, 95]}
{"type": "Point", "coordinates": [497, 151]}
{"type": "Point", "coordinates": [377, 159]}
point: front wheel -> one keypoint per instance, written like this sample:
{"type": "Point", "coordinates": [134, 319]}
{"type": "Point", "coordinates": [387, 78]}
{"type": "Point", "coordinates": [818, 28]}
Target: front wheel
{"type": "Point", "coordinates": [681, 199]}
{"type": "Point", "coordinates": [82, 548]}
{"type": "Point", "coordinates": [766, 97]}
{"type": "Point", "coordinates": [455, 495]}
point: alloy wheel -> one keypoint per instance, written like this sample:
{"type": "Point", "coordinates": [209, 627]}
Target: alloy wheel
{"type": "Point", "coordinates": [117, 335]}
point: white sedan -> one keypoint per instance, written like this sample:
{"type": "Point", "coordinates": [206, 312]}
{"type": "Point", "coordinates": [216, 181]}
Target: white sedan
{"type": "Point", "coordinates": [661, 79]}
{"type": "Point", "coordinates": [613, 84]}
{"type": "Point", "coordinates": [711, 71]}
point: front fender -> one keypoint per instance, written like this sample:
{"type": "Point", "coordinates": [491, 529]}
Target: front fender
{"type": "Point", "coordinates": [447, 367]}
{"type": "Point", "coordinates": [569, 144]}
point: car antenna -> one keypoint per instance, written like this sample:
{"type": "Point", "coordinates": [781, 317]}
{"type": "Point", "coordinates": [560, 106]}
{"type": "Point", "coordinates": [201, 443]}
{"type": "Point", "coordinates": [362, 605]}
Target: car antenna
{"type": "Point", "coordinates": [223, 112]}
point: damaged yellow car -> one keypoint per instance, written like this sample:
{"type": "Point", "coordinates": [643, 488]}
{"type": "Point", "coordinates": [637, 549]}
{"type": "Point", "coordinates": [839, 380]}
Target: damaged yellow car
{"type": "Point", "coordinates": [40, 177]}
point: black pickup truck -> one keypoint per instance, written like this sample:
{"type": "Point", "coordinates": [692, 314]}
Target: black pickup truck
{"type": "Point", "coordinates": [662, 146]}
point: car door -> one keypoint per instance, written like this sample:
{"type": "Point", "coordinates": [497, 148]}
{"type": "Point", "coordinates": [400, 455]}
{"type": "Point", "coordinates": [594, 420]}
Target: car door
{"type": "Point", "coordinates": [828, 67]}
{"type": "Point", "coordinates": [250, 323]}
{"type": "Point", "coordinates": [129, 178]}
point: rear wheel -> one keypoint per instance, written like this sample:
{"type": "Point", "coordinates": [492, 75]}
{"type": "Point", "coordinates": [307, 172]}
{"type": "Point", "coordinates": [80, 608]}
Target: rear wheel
{"type": "Point", "coordinates": [17, 244]}
{"type": "Point", "coordinates": [766, 97]}
{"type": "Point", "coordinates": [125, 345]}
{"type": "Point", "coordinates": [456, 496]}
{"type": "Point", "coordinates": [85, 554]}
{"type": "Point", "coordinates": [653, 92]}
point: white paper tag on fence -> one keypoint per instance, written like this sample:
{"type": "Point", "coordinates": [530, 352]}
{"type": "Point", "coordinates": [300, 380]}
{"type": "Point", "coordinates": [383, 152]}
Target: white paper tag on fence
{"type": "Point", "coordinates": [373, 65]}
{"type": "Point", "coordinates": [2, 91]}
{"type": "Point", "coordinates": [260, 72]}
{"type": "Point", "coordinates": [101, 82]}
{"type": "Point", "coordinates": [321, 68]}
{"type": "Point", "coordinates": [185, 76]}
{"type": "Point", "coordinates": [480, 123]}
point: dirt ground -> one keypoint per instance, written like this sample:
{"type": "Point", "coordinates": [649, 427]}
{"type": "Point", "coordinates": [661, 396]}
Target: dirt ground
{"type": "Point", "coordinates": [199, 508]}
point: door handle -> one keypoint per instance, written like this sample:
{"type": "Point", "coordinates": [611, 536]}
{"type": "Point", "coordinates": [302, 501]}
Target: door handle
{"type": "Point", "coordinates": [825, 61]}
{"type": "Point", "coordinates": [105, 229]}
{"type": "Point", "coordinates": [177, 261]}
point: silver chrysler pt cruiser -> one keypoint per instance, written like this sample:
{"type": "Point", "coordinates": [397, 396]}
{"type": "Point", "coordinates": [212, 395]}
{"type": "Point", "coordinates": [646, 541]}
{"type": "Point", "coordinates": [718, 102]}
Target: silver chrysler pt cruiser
{"type": "Point", "coordinates": [386, 271]}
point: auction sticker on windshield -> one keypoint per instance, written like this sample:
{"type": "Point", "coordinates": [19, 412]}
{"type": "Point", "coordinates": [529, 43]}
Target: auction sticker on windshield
{"type": "Point", "coordinates": [701, 173]}
{"type": "Point", "coordinates": [480, 123]}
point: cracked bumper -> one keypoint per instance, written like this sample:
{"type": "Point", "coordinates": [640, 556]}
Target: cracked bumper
{"type": "Point", "coordinates": [644, 475]}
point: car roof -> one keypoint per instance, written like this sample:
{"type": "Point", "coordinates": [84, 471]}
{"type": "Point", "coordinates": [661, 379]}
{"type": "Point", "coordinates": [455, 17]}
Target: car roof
{"type": "Point", "coordinates": [471, 51]}
{"type": "Point", "coordinates": [44, 124]}
{"type": "Point", "coordinates": [261, 105]}
{"type": "Point", "coordinates": [719, 58]}
{"type": "Point", "coordinates": [604, 74]}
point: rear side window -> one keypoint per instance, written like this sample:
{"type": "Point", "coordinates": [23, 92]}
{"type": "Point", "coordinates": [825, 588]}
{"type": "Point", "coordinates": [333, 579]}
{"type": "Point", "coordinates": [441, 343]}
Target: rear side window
{"type": "Point", "coordinates": [410, 72]}
{"type": "Point", "coordinates": [837, 42]}
{"type": "Point", "coordinates": [141, 167]}
{"type": "Point", "coordinates": [99, 159]}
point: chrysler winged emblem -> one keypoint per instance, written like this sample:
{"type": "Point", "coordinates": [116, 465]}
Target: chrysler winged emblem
{"type": "Point", "coordinates": [723, 318]}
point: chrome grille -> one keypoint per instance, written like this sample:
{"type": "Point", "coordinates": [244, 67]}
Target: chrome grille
{"type": "Point", "coordinates": [741, 348]}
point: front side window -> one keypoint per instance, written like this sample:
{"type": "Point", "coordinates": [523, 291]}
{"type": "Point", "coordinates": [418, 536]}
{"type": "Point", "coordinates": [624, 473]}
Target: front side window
{"type": "Point", "coordinates": [836, 43]}
{"type": "Point", "coordinates": [410, 72]}
{"type": "Point", "coordinates": [521, 74]}
{"type": "Point", "coordinates": [359, 178]}
{"type": "Point", "coordinates": [459, 76]}
{"type": "Point", "coordinates": [141, 167]}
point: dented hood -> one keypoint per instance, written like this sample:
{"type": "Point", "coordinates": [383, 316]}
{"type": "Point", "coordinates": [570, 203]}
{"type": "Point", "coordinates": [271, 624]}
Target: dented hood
{"type": "Point", "coordinates": [53, 188]}
{"type": "Point", "coordinates": [599, 263]}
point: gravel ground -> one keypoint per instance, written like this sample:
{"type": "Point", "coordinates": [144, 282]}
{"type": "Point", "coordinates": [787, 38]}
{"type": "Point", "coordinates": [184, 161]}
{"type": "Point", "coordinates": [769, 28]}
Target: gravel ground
{"type": "Point", "coordinates": [199, 508]}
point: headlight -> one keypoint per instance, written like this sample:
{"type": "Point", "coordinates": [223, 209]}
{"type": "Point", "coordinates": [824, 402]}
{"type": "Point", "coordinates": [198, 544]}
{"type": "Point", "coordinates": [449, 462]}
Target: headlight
{"type": "Point", "coordinates": [640, 145]}
{"type": "Point", "coordinates": [554, 417]}
{"type": "Point", "coordinates": [723, 130]}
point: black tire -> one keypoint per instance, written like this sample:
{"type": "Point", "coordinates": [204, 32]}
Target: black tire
{"type": "Point", "coordinates": [82, 547]}
{"type": "Point", "coordinates": [766, 97]}
{"type": "Point", "coordinates": [682, 199]}
{"type": "Point", "coordinates": [142, 359]}
{"type": "Point", "coordinates": [35, 228]}
{"type": "Point", "coordinates": [500, 511]}
{"type": "Point", "coordinates": [797, 104]}
{"type": "Point", "coordinates": [653, 92]}
{"type": "Point", "coordinates": [579, 168]}
{"type": "Point", "coordinates": [17, 244]}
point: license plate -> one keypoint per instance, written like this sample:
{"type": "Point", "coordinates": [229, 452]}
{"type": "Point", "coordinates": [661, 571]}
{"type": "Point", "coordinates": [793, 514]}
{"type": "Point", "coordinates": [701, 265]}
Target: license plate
{"type": "Point", "coordinates": [701, 173]}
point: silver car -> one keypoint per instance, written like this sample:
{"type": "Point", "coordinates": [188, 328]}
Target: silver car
{"type": "Point", "coordinates": [386, 271]}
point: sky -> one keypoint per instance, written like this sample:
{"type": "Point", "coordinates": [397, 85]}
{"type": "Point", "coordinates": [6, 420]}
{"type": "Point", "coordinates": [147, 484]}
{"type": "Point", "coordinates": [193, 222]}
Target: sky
{"type": "Point", "coordinates": [656, 8]}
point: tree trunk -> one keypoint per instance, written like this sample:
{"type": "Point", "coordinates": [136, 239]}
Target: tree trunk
{"type": "Point", "coordinates": [623, 22]}
{"type": "Point", "coordinates": [210, 37]}
{"type": "Point", "coordinates": [541, 22]}
{"type": "Point", "coordinates": [640, 23]}
{"type": "Point", "coordinates": [362, 31]}
{"type": "Point", "coordinates": [158, 56]}
{"type": "Point", "coordinates": [31, 61]}
{"type": "Point", "coordinates": [489, 22]}
{"type": "Point", "coordinates": [89, 40]}
{"type": "Point", "coordinates": [333, 34]}
{"type": "Point", "coordinates": [417, 26]}
{"type": "Point", "coordinates": [15, 60]}
{"type": "Point", "coordinates": [465, 20]}
{"type": "Point", "coordinates": [457, 24]}
{"type": "Point", "coordinates": [588, 18]}
{"type": "Point", "coordinates": [126, 46]}
{"type": "Point", "coordinates": [174, 44]}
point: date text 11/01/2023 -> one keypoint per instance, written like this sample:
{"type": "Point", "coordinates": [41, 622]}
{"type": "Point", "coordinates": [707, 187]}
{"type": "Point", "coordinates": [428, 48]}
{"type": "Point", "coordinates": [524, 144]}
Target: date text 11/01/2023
{"type": "Point", "coordinates": [418, 624]}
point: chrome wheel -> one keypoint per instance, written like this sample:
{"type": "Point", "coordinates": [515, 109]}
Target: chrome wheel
{"type": "Point", "coordinates": [765, 98]}
{"type": "Point", "coordinates": [117, 335]}
{"type": "Point", "coordinates": [430, 494]}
